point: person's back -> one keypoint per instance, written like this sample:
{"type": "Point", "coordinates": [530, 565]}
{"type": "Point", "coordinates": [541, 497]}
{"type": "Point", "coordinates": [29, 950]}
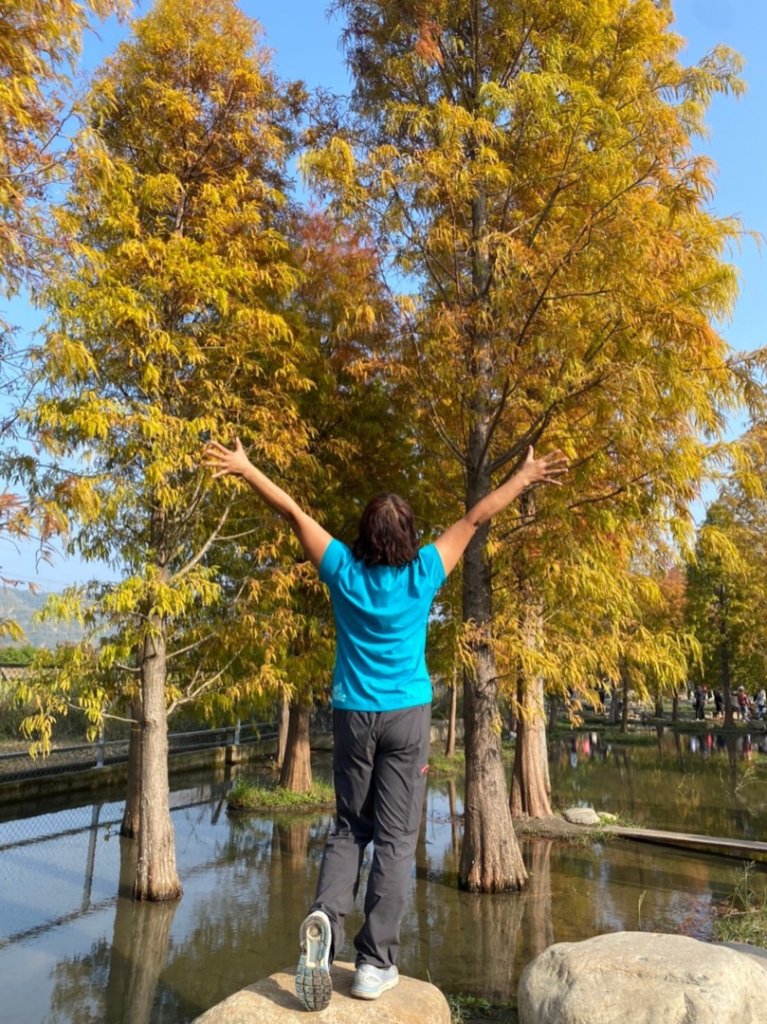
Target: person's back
{"type": "Point", "coordinates": [381, 613]}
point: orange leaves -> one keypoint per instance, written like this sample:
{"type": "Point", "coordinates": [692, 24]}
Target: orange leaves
{"type": "Point", "coordinates": [427, 45]}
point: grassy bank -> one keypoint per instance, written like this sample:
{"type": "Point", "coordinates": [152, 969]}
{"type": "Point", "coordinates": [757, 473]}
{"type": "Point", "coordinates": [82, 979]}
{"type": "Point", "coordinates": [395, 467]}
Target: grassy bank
{"type": "Point", "coordinates": [743, 917]}
{"type": "Point", "coordinates": [246, 795]}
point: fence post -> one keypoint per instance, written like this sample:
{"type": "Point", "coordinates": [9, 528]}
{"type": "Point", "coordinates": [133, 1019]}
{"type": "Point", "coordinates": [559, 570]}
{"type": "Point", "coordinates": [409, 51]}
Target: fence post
{"type": "Point", "coordinates": [233, 749]}
{"type": "Point", "coordinates": [101, 748]}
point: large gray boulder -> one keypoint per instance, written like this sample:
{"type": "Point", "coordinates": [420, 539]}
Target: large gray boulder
{"type": "Point", "coordinates": [273, 1001]}
{"type": "Point", "coordinates": [645, 978]}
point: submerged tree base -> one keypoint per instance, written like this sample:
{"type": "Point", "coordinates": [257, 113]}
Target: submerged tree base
{"type": "Point", "coordinates": [246, 795]}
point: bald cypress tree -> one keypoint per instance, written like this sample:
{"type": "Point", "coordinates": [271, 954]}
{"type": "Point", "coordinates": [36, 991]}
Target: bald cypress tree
{"type": "Point", "coordinates": [527, 171]}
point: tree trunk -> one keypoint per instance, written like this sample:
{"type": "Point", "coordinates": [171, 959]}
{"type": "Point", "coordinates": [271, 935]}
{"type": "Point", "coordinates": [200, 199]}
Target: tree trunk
{"type": "Point", "coordinates": [296, 774]}
{"type": "Point", "coordinates": [553, 710]}
{"type": "Point", "coordinates": [659, 705]}
{"type": "Point", "coordinates": [675, 706]}
{"type": "Point", "coordinates": [724, 657]}
{"type": "Point", "coordinates": [530, 782]}
{"type": "Point", "coordinates": [491, 860]}
{"type": "Point", "coordinates": [614, 705]}
{"type": "Point", "coordinates": [283, 722]}
{"type": "Point", "coordinates": [156, 875]}
{"type": "Point", "coordinates": [453, 714]}
{"type": "Point", "coordinates": [625, 698]}
{"type": "Point", "coordinates": [130, 822]}
{"type": "Point", "coordinates": [512, 718]}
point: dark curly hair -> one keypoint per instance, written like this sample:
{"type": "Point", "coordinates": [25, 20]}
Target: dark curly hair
{"type": "Point", "coordinates": [386, 533]}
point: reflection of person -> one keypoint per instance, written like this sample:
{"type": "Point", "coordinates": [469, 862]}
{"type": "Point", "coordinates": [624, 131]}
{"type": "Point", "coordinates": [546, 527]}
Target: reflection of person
{"type": "Point", "coordinates": [382, 589]}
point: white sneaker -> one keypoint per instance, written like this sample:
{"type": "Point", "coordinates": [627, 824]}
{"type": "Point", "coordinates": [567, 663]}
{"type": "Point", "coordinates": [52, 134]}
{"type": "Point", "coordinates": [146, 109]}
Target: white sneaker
{"type": "Point", "coordinates": [313, 985]}
{"type": "Point", "coordinates": [371, 981]}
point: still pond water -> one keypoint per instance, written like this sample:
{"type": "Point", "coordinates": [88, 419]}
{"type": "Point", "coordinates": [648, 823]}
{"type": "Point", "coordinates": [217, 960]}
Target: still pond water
{"type": "Point", "coordinates": [72, 951]}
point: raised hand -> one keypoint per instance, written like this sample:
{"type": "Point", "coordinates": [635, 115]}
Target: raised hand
{"type": "Point", "coordinates": [546, 470]}
{"type": "Point", "coordinates": [223, 460]}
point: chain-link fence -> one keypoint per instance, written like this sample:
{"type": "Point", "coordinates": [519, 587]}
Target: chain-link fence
{"type": "Point", "coordinates": [66, 862]}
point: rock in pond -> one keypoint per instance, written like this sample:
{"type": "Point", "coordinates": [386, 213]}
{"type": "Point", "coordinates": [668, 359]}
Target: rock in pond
{"type": "Point", "coordinates": [273, 1001]}
{"type": "Point", "coordinates": [645, 978]}
{"type": "Point", "coordinates": [581, 816]}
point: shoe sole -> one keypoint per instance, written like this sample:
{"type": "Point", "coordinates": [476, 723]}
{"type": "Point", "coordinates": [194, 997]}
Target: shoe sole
{"type": "Point", "coordinates": [378, 992]}
{"type": "Point", "coordinates": [313, 985]}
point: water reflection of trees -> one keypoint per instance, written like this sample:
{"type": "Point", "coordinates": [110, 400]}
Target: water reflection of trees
{"type": "Point", "coordinates": [248, 889]}
{"type": "Point", "coordinates": [477, 944]}
{"type": "Point", "coordinates": [117, 982]}
{"type": "Point", "coordinates": [711, 783]}
{"type": "Point", "coordinates": [246, 926]}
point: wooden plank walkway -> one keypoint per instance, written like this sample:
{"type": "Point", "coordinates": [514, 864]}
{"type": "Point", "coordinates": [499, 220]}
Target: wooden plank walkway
{"type": "Point", "coordinates": [743, 849]}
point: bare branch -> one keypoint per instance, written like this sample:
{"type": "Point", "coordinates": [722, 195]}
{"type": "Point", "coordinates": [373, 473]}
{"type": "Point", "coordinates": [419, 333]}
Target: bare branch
{"type": "Point", "coordinates": [206, 546]}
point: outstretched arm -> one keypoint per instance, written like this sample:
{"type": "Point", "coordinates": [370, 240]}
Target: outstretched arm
{"type": "Point", "coordinates": [313, 537]}
{"type": "Point", "coordinates": [454, 541]}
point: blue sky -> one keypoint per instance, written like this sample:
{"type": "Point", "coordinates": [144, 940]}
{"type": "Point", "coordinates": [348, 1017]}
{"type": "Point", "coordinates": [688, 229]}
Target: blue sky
{"type": "Point", "coordinates": [305, 46]}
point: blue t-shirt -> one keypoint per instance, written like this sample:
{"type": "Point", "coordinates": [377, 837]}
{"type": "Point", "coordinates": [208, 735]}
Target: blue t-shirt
{"type": "Point", "coordinates": [381, 614]}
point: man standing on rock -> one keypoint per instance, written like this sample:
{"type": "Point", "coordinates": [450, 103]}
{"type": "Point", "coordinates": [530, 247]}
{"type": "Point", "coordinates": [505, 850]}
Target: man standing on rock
{"type": "Point", "coordinates": [382, 589]}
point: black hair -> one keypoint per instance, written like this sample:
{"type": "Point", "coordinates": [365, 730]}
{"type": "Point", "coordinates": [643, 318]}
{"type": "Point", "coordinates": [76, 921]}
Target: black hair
{"type": "Point", "coordinates": [386, 533]}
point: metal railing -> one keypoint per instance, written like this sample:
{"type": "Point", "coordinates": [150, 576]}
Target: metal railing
{"type": "Point", "coordinates": [17, 765]}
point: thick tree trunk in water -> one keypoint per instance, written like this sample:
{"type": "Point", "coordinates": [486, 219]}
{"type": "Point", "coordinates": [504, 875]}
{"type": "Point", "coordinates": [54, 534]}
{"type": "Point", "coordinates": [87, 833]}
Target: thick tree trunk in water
{"type": "Point", "coordinates": [156, 875]}
{"type": "Point", "coordinates": [453, 714]}
{"type": "Point", "coordinates": [130, 822]}
{"type": "Point", "coordinates": [675, 706]}
{"type": "Point", "coordinates": [283, 722]}
{"type": "Point", "coordinates": [296, 772]}
{"type": "Point", "coordinates": [491, 860]}
{"type": "Point", "coordinates": [659, 705]}
{"type": "Point", "coordinates": [530, 782]}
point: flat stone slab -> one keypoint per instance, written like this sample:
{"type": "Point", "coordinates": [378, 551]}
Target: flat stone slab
{"type": "Point", "coordinates": [273, 1001]}
{"type": "Point", "coordinates": [644, 978]}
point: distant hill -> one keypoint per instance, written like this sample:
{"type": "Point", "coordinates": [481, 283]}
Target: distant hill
{"type": "Point", "coordinates": [20, 604]}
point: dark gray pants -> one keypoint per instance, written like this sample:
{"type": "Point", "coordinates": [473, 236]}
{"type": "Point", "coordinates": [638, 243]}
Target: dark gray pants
{"type": "Point", "coordinates": [380, 762]}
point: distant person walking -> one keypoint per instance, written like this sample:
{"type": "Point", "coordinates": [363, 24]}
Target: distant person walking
{"type": "Point", "coordinates": [744, 707]}
{"type": "Point", "coordinates": [701, 694]}
{"type": "Point", "coordinates": [382, 589]}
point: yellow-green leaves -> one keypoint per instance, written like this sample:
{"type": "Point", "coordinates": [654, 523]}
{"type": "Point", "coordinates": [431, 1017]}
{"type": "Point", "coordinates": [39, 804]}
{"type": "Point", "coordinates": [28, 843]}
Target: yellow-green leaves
{"type": "Point", "coordinates": [530, 175]}
{"type": "Point", "coordinates": [726, 581]}
{"type": "Point", "coordinates": [39, 43]}
{"type": "Point", "coordinates": [167, 319]}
